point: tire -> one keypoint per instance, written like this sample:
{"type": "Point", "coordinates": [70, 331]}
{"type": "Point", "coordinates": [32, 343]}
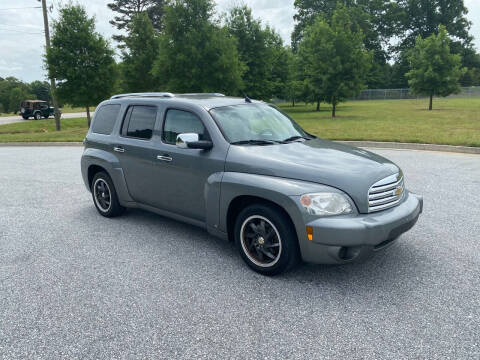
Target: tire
{"type": "Point", "coordinates": [106, 200]}
{"type": "Point", "coordinates": [37, 116]}
{"type": "Point", "coordinates": [25, 117]}
{"type": "Point", "coordinates": [46, 116]}
{"type": "Point", "coordinates": [276, 229]}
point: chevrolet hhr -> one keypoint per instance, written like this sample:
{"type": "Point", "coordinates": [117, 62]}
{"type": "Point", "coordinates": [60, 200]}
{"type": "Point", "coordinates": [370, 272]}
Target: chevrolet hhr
{"type": "Point", "coordinates": [246, 172]}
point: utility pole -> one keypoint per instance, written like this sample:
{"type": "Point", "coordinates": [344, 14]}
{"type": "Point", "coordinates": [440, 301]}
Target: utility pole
{"type": "Point", "coordinates": [53, 87]}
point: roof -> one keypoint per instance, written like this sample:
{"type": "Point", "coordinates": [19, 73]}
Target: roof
{"type": "Point", "coordinates": [35, 101]}
{"type": "Point", "coordinates": [205, 100]}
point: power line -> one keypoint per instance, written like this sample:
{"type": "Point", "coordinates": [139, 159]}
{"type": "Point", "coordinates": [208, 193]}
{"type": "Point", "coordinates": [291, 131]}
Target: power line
{"type": "Point", "coordinates": [24, 26]}
{"type": "Point", "coordinates": [20, 31]}
{"type": "Point", "coordinates": [20, 8]}
{"type": "Point", "coordinates": [23, 34]}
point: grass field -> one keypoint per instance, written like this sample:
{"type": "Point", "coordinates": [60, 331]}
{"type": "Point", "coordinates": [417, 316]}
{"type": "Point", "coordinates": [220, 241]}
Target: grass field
{"type": "Point", "coordinates": [453, 122]}
{"type": "Point", "coordinates": [44, 130]}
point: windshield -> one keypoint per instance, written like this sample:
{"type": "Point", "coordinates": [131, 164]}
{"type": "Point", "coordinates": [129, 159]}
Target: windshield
{"type": "Point", "coordinates": [256, 122]}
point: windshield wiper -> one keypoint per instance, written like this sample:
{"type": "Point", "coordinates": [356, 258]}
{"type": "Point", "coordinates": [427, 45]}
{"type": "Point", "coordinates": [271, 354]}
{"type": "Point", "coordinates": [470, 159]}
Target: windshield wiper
{"type": "Point", "coordinates": [296, 137]}
{"type": "Point", "coordinates": [255, 142]}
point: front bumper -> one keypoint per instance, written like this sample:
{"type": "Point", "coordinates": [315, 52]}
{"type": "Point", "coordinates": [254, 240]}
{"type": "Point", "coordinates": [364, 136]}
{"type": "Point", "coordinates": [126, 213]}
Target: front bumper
{"type": "Point", "coordinates": [345, 239]}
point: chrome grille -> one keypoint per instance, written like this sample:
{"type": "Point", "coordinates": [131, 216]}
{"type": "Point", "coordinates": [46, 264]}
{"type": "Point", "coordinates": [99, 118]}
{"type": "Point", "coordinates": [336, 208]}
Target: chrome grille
{"type": "Point", "coordinates": [386, 193]}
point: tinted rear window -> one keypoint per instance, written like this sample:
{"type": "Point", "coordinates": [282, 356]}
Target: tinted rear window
{"type": "Point", "coordinates": [104, 120]}
{"type": "Point", "coordinates": [141, 122]}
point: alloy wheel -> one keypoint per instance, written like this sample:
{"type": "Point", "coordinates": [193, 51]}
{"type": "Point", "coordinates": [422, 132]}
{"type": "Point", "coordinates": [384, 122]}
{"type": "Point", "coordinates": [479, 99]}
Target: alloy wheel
{"type": "Point", "coordinates": [102, 195]}
{"type": "Point", "coordinates": [260, 241]}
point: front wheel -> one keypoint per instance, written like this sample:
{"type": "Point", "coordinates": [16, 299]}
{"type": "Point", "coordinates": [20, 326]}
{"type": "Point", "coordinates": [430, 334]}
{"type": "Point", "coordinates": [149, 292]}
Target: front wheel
{"type": "Point", "coordinates": [37, 116]}
{"type": "Point", "coordinates": [105, 196]}
{"type": "Point", "coordinates": [266, 239]}
{"type": "Point", "coordinates": [25, 117]}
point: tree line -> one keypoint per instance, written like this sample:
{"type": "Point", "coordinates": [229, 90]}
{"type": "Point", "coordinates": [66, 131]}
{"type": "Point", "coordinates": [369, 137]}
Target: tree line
{"type": "Point", "coordinates": [338, 48]}
{"type": "Point", "coordinates": [13, 91]}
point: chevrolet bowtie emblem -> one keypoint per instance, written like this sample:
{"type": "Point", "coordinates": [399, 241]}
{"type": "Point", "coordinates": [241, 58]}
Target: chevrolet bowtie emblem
{"type": "Point", "coordinates": [398, 191]}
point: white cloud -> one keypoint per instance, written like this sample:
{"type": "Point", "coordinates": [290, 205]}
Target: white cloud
{"type": "Point", "coordinates": [22, 44]}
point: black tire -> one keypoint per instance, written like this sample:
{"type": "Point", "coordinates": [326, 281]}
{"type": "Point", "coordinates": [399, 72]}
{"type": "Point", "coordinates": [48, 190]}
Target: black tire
{"type": "Point", "coordinates": [25, 117]}
{"type": "Point", "coordinates": [46, 116]}
{"type": "Point", "coordinates": [286, 254]}
{"type": "Point", "coordinates": [37, 116]}
{"type": "Point", "coordinates": [105, 201]}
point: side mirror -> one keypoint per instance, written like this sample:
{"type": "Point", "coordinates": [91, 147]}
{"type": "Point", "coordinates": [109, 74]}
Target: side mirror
{"type": "Point", "coordinates": [192, 141]}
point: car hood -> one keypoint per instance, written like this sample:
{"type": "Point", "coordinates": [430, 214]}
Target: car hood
{"type": "Point", "coordinates": [344, 167]}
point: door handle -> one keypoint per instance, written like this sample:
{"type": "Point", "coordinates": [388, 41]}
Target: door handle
{"type": "Point", "coordinates": [165, 157]}
{"type": "Point", "coordinates": [118, 149]}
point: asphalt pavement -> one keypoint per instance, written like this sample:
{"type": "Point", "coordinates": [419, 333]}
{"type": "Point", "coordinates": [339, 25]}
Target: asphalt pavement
{"type": "Point", "coordinates": [18, 118]}
{"type": "Point", "coordinates": [76, 285]}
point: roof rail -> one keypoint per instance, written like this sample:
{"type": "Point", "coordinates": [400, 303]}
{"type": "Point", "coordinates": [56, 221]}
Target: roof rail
{"type": "Point", "coordinates": [147, 94]}
{"type": "Point", "coordinates": [202, 94]}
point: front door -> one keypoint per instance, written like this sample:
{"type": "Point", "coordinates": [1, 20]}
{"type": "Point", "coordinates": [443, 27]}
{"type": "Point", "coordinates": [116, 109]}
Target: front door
{"type": "Point", "coordinates": [182, 174]}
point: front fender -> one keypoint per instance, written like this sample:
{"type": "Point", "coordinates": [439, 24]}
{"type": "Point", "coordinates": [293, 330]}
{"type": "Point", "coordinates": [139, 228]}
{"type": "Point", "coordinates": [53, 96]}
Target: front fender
{"type": "Point", "coordinates": [275, 189]}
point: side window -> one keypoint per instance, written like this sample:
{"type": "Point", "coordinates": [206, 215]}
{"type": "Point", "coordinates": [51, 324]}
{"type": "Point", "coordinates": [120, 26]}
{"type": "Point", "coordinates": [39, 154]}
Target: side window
{"type": "Point", "coordinates": [104, 119]}
{"type": "Point", "coordinates": [178, 122]}
{"type": "Point", "coordinates": [139, 122]}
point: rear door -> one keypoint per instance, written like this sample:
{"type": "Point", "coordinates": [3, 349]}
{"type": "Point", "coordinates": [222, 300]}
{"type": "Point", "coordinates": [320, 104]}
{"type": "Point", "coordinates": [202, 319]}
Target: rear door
{"type": "Point", "coordinates": [136, 150]}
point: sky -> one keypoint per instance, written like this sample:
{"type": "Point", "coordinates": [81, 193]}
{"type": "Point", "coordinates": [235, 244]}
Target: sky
{"type": "Point", "coordinates": [22, 39]}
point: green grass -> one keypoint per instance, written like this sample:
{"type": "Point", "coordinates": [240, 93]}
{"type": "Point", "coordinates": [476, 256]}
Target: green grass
{"type": "Point", "coordinates": [44, 130]}
{"type": "Point", "coordinates": [68, 109]}
{"type": "Point", "coordinates": [452, 122]}
{"type": "Point", "coordinates": [7, 114]}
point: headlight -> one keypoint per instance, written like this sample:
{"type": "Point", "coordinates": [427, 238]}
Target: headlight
{"type": "Point", "coordinates": [326, 204]}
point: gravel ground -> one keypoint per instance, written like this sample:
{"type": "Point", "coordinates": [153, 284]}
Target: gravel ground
{"type": "Point", "coordinates": [76, 285]}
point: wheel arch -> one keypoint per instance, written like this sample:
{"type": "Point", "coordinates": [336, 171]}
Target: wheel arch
{"type": "Point", "coordinates": [92, 170]}
{"type": "Point", "coordinates": [94, 160]}
{"type": "Point", "coordinates": [240, 202]}
{"type": "Point", "coordinates": [242, 189]}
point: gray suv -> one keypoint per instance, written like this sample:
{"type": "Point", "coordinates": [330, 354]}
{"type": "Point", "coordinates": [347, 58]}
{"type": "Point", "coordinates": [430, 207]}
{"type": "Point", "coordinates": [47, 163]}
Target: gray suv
{"type": "Point", "coordinates": [247, 173]}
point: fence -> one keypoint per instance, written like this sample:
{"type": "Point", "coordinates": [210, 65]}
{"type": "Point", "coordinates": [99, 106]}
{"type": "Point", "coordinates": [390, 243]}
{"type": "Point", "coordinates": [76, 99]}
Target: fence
{"type": "Point", "coordinates": [385, 94]}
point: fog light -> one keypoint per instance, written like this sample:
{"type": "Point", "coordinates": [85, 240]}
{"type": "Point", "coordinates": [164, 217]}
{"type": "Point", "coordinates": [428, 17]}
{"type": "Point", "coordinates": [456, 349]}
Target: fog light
{"type": "Point", "coordinates": [310, 233]}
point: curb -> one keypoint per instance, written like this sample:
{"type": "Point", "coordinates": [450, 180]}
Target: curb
{"type": "Point", "coordinates": [413, 146]}
{"type": "Point", "coordinates": [367, 144]}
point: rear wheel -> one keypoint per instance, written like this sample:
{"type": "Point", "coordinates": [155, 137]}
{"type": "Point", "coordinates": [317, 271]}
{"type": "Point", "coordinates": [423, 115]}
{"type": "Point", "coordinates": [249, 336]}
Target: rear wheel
{"type": "Point", "coordinates": [46, 116]}
{"type": "Point", "coordinates": [37, 116]}
{"type": "Point", "coordinates": [266, 239]}
{"type": "Point", "coordinates": [25, 117]}
{"type": "Point", "coordinates": [105, 196]}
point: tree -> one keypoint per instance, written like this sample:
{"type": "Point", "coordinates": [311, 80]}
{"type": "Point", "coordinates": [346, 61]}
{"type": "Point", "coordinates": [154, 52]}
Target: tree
{"type": "Point", "coordinates": [41, 89]}
{"type": "Point", "coordinates": [16, 96]}
{"type": "Point", "coordinates": [294, 86]}
{"type": "Point", "coordinates": [128, 9]}
{"type": "Point", "coordinates": [261, 50]}
{"type": "Point", "coordinates": [80, 60]}
{"type": "Point", "coordinates": [378, 20]}
{"type": "Point", "coordinates": [434, 69]}
{"type": "Point", "coordinates": [141, 50]}
{"type": "Point", "coordinates": [423, 18]}
{"type": "Point", "coordinates": [336, 62]}
{"type": "Point", "coordinates": [196, 54]}
{"type": "Point", "coordinates": [12, 93]}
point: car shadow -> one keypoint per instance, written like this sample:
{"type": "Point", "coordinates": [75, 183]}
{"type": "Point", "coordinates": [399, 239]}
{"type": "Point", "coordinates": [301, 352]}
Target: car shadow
{"type": "Point", "coordinates": [383, 270]}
